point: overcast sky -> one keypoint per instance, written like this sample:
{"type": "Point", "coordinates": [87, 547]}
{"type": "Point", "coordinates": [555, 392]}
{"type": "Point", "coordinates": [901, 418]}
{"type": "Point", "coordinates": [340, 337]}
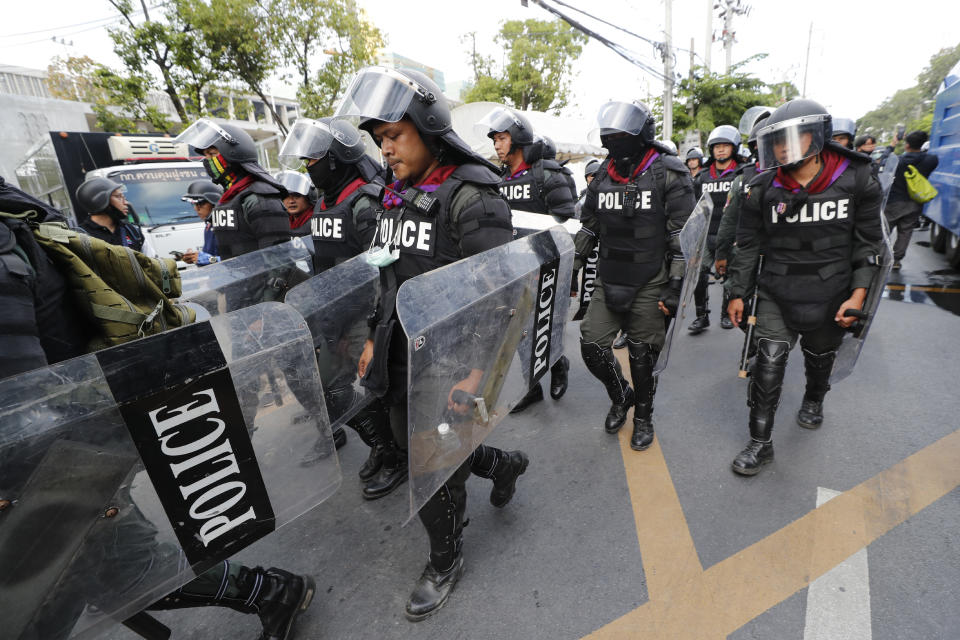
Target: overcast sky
{"type": "Point", "coordinates": [861, 51]}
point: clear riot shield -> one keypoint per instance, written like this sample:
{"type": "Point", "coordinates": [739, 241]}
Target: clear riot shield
{"type": "Point", "coordinates": [264, 275]}
{"type": "Point", "coordinates": [849, 351]}
{"type": "Point", "coordinates": [128, 472]}
{"type": "Point", "coordinates": [336, 305]}
{"type": "Point", "coordinates": [693, 241]}
{"type": "Point", "coordinates": [468, 363]}
{"type": "Point", "coordinates": [886, 173]}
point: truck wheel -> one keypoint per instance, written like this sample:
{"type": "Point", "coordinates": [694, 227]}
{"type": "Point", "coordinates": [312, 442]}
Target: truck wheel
{"type": "Point", "coordinates": [953, 250]}
{"type": "Point", "coordinates": [938, 237]}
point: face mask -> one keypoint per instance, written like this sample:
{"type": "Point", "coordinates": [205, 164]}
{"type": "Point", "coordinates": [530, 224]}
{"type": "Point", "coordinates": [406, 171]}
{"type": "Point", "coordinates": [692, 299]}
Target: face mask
{"type": "Point", "coordinates": [383, 256]}
{"type": "Point", "coordinates": [627, 147]}
{"type": "Point", "coordinates": [320, 173]}
{"type": "Point", "coordinates": [215, 167]}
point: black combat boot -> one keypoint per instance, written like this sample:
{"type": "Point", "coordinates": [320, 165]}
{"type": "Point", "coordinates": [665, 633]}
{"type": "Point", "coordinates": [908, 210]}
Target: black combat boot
{"type": "Point", "coordinates": [442, 517]}
{"type": "Point", "coordinates": [392, 473]}
{"type": "Point", "coordinates": [604, 366]}
{"type": "Point", "coordinates": [642, 358]}
{"type": "Point", "coordinates": [725, 321]}
{"type": "Point", "coordinates": [275, 595]}
{"type": "Point", "coordinates": [818, 367]}
{"type": "Point", "coordinates": [558, 378]}
{"type": "Point", "coordinates": [503, 467]}
{"type": "Point", "coordinates": [763, 397]}
{"type": "Point", "coordinates": [533, 396]}
{"type": "Point", "coordinates": [701, 322]}
{"type": "Point", "coordinates": [364, 423]}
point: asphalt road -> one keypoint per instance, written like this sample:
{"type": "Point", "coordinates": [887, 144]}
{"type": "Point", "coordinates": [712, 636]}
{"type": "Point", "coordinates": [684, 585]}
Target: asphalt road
{"type": "Point", "coordinates": [597, 532]}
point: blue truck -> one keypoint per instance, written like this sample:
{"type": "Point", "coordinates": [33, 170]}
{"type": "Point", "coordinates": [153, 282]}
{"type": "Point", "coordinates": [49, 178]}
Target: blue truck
{"type": "Point", "coordinates": [944, 210]}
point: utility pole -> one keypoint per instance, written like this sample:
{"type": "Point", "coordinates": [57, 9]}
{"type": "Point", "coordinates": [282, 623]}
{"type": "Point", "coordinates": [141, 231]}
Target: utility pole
{"type": "Point", "coordinates": [708, 44]}
{"type": "Point", "coordinates": [668, 72]}
{"type": "Point", "coordinates": [806, 65]}
{"type": "Point", "coordinates": [732, 8]}
{"type": "Point", "coordinates": [690, 104]}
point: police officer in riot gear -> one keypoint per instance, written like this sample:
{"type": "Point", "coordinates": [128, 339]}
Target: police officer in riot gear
{"type": "Point", "coordinates": [844, 132]}
{"type": "Point", "coordinates": [343, 223]}
{"type": "Point", "coordinates": [815, 220]}
{"type": "Point", "coordinates": [250, 214]}
{"type": "Point", "coordinates": [531, 181]}
{"type": "Point", "coordinates": [107, 207]}
{"type": "Point", "coordinates": [635, 208]}
{"type": "Point", "coordinates": [447, 196]}
{"type": "Point", "coordinates": [715, 179]}
{"type": "Point", "coordinates": [344, 218]}
{"type": "Point", "coordinates": [694, 161]}
{"type": "Point", "coordinates": [727, 232]}
{"type": "Point", "coordinates": [204, 196]}
{"type": "Point", "coordinates": [42, 325]}
{"type": "Point", "coordinates": [300, 200]}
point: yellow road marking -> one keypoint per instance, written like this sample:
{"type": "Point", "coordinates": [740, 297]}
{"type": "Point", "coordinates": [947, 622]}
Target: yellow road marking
{"type": "Point", "coordinates": [687, 602]}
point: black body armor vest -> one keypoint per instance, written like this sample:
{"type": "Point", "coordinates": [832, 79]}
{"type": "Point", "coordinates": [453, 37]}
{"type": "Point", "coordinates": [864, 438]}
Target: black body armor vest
{"type": "Point", "coordinates": [241, 224]}
{"type": "Point", "coordinates": [718, 188]}
{"type": "Point", "coordinates": [336, 237]}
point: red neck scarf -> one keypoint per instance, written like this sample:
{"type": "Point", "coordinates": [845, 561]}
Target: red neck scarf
{"type": "Point", "coordinates": [833, 165]}
{"type": "Point", "coordinates": [523, 167]}
{"type": "Point", "coordinates": [300, 219]}
{"type": "Point", "coordinates": [713, 169]}
{"type": "Point", "coordinates": [648, 158]}
{"type": "Point", "coordinates": [236, 188]}
{"type": "Point", "coordinates": [431, 183]}
{"type": "Point", "coordinates": [350, 188]}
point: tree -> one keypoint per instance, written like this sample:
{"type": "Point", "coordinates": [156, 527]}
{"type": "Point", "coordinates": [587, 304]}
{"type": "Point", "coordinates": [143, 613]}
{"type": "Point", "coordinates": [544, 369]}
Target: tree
{"type": "Point", "coordinates": [913, 106]}
{"type": "Point", "coordinates": [713, 99]}
{"type": "Point", "coordinates": [72, 78]}
{"type": "Point", "coordinates": [538, 69]}
{"type": "Point", "coordinates": [336, 29]}
{"type": "Point", "coordinates": [236, 33]}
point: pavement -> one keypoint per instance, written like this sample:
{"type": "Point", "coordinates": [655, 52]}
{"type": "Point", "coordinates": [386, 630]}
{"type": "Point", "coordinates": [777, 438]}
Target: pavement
{"type": "Point", "coordinates": [601, 541]}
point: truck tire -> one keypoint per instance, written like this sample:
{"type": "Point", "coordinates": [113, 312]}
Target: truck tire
{"type": "Point", "coordinates": [953, 250]}
{"type": "Point", "coordinates": [938, 237]}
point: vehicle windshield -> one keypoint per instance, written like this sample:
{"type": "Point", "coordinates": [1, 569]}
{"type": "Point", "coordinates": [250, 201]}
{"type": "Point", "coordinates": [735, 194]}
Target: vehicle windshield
{"type": "Point", "coordinates": [155, 193]}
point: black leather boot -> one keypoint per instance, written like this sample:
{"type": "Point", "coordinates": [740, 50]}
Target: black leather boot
{"type": "Point", "coordinates": [620, 342]}
{"type": "Point", "coordinates": [702, 321]}
{"type": "Point", "coordinates": [503, 467]}
{"type": "Point", "coordinates": [725, 322]}
{"type": "Point", "coordinates": [558, 378]}
{"type": "Point", "coordinates": [642, 358]}
{"type": "Point", "coordinates": [763, 397]}
{"type": "Point", "coordinates": [604, 366]}
{"type": "Point", "coordinates": [442, 517]}
{"type": "Point", "coordinates": [533, 396]}
{"type": "Point", "coordinates": [392, 473]}
{"type": "Point", "coordinates": [278, 597]}
{"type": "Point", "coordinates": [364, 423]}
{"type": "Point", "coordinates": [818, 367]}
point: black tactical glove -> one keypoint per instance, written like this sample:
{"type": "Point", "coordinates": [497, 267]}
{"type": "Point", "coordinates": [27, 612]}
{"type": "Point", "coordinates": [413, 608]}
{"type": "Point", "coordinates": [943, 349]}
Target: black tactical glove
{"type": "Point", "coordinates": [670, 295]}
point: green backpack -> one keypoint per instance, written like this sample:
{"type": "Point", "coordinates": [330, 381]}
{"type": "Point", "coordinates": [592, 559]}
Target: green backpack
{"type": "Point", "coordinates": [918, 187]}
{"type": "Point", "coordinates": [126, 294]}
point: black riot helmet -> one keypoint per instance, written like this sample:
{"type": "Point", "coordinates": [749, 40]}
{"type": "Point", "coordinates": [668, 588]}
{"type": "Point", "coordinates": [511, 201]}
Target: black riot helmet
{"type": "Point", "coordinates": [724, 134]}
{"type": "Point", "coordinates": [549, 149]}
{"type": "Point", "coordinates": [94, 194]}
{"type": "Point", "coordinates": [234, 144]}
{"type": "Point", "coordinates": [797, 130]}
{"type": "Point", "coordinates": [846, 127]}
{"type": "Point", "coordinates": [750, 118]}
{"type": "Point", "coordinates": [381, 94]}
{"type": "Point", "coordinates": [503, 120]}
{"type": "Point", "coordinates": [200, 190]}
{"type": "Point", "coordinates": [591, 168]}
{"type": "Point", "coordinates": [316, 139]}
{"type": "Point", "coordinates": [633, 118]}
{"type": "Point", "coordinates": [695, 153]}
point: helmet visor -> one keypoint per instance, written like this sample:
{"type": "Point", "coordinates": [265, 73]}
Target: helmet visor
{"type": "Point", "coordinates": [379, 93]}
{"type": "Point", "coordinates": [617, 117]}
{"type": "Point", "coordinates": [498, 120]}
{"type": "Point", "coordinates": [204, 134]}
{"type": "Point", "coordinates": [844, 125]}
{"type": "Point", "coordinates": [749, 118]}
{"type": "Point", "coordinates": [295, 182]}
{"type": "Point", "coordinates": [790, 141]}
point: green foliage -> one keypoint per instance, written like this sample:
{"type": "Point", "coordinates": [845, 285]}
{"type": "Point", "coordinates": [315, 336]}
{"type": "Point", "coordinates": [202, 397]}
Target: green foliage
{"type": "Point", "coordinates": [538, 69]}
{"type": "Point", "coordinates": [131, 94]}
{"type": "Point", "coordinates": [914, 106]}
{"type": "Point", "coordinates": [707, 100]}
{"type": "Point", "coordinates": [336, 29]}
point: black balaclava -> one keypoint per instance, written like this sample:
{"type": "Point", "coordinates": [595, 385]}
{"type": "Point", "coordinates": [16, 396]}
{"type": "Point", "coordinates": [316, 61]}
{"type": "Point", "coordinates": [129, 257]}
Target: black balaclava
{"type": "Point", "coordinates": [626, 153]}
{"type": "Point", "coordinates": [331, 177]}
